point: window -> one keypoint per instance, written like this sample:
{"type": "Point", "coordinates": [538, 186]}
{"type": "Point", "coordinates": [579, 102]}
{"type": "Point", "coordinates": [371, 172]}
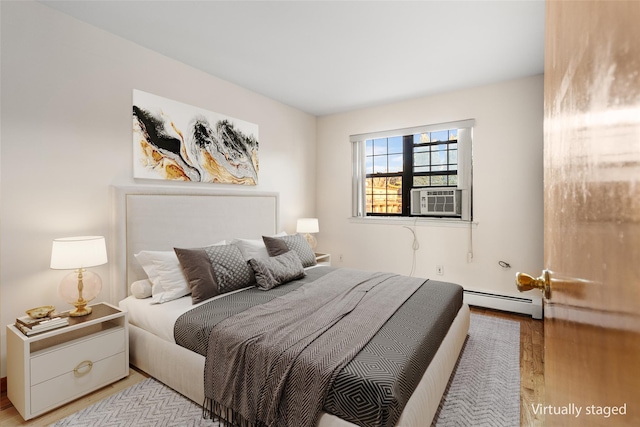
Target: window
{"type": "Point", "coordinates": [391, 168]}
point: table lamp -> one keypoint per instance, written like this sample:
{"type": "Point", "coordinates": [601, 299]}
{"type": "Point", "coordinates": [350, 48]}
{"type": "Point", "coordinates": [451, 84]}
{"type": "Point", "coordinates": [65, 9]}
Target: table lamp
{"type": "Point", "coordinates": [308, 226]}
{"type": "Point", "coordinates": [78, 253]}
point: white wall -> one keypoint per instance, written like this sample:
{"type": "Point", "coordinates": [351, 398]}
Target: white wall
{"type": "Point", "coordinates": [507, 185]}
{"type": "Point", "coordinates": [67, 137]}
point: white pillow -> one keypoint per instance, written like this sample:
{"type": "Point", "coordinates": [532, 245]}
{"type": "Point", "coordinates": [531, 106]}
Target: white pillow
{"type": "Point", "coordinates": [165, 273]}
{"type": "Point", "coordinates": [141, 288]}
{"type": "Point", "coordinates": [254, 248]}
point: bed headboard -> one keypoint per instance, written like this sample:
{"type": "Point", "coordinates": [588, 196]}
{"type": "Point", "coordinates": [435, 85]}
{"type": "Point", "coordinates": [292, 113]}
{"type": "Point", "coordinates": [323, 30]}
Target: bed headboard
{"type": "Point", "coordinates": [161, 218]}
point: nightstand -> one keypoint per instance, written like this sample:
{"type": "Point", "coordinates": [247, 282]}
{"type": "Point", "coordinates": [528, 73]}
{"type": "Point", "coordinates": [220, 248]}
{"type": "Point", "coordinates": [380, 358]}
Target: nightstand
{"type": "Point", "coordinates": [49, 369]}
{"type": "Point", "coordinates": [323, 259]}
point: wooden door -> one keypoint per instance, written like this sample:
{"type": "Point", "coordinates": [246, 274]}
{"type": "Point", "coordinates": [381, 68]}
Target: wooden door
{"type": "Point", "coordinates": [592, 213]}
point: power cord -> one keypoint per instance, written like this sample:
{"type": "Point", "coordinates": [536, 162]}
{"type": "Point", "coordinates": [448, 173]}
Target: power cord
{"type": "Point", "coordinates": [415, 246]}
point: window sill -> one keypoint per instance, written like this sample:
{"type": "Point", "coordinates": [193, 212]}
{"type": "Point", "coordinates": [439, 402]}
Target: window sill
{"type": "Point", "coordinates": [414, 220]}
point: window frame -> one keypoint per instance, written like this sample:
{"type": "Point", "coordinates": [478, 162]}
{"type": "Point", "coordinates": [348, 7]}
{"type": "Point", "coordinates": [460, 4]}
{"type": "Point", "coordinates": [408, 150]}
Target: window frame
{"type": "Point", "coordinates": [464, 170]}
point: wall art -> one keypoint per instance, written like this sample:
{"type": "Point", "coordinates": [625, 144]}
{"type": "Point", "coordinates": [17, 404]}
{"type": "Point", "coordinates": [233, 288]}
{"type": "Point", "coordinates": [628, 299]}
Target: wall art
{"type": "Point", "coordinates": [176, 141]}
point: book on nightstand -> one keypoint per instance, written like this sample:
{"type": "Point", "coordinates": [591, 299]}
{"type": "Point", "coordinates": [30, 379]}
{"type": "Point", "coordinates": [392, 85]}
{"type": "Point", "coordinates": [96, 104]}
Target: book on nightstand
{"type": "Point", "coordinates": [29, 326]}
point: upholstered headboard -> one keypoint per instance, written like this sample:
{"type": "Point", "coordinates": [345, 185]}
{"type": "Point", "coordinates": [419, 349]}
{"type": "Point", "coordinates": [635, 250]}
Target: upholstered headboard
{"type": "Point", "coordinates": [161, 218]}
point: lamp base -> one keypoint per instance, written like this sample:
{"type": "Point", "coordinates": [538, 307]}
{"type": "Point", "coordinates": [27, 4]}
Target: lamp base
{"type": "Point", "coordinates": [80, 310]}
{"type": "Point", "coordinates": [311, 240]}
{"type": "Point", "coordinates": [79, 289]}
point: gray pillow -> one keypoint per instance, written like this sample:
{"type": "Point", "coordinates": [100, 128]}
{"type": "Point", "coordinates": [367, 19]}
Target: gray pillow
{"type": "Point", "coordinates": [300, 246]}
{"type": "Point", "coordinates": [275, 245]}
{"type": "Point", "coordinates": [199, 272]}
{"type": "Point", "coordinates": [275, 271]}
{"type": "Point", "coordinates": [230, 270]}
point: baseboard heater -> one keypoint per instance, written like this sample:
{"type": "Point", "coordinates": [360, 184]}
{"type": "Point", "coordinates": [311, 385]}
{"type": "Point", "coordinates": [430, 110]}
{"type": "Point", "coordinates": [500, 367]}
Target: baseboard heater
{"type": "Point", "coordinates": [521, 305]}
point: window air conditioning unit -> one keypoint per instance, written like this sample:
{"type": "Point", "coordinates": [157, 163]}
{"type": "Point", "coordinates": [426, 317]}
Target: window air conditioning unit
{"type": "Point", "coordinates": [436, 201]}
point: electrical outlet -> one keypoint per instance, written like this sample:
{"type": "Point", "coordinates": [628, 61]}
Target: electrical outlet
{"type": "Point", "coordinates": [439, 270]}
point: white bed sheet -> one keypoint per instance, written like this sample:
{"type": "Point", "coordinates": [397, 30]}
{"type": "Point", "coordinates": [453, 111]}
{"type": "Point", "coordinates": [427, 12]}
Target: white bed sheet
{"type": "Point", "coordinates": [159, 319]}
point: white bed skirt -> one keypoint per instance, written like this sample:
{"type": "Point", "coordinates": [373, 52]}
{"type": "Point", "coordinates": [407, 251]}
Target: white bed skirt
{"type": "Point", "coordinates": [183, 371]}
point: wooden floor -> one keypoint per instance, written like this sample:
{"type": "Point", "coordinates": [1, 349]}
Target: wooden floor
{"type": "Point", "coordinates": [531, 363]}
{"type": "Point", "coordinates": [531, 379]}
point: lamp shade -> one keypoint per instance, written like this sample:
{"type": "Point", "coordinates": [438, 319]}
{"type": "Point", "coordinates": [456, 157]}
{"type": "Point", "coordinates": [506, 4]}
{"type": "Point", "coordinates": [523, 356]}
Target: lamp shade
{"type": "Point", "coordinates": [70, 253]}
{"type": "Point", "coordinates": [308, 225]}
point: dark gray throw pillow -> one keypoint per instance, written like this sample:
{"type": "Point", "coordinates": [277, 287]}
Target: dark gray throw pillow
{"type": "Point", "coordinates": [275, 271]}
{"type": "Point", "coordinates": [197, 268]}
{"type": "Point", "coordinates": [275, 245]}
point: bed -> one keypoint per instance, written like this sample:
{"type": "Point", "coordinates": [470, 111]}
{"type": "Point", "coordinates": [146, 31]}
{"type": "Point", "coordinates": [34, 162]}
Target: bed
{"type": "Point", "coordinates": [159, 219]}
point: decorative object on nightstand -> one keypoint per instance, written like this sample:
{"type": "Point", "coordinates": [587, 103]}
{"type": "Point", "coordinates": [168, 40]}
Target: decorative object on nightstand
{"type": "Point", "coordinates": [40, 312]}
{"type": "Point", "coordinates": [308, 226]}
{"type": "Point", "coordinates": [29, 326]}
{"type": "Point", "coordinates": [78, 253]}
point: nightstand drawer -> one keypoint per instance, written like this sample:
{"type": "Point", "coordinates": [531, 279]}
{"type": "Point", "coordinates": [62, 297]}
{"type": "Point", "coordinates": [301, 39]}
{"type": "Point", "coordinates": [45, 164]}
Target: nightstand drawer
{"type": "Point", "coordinates": [63, 360]}
{"type": "Point", "coordinates": [69, 385]}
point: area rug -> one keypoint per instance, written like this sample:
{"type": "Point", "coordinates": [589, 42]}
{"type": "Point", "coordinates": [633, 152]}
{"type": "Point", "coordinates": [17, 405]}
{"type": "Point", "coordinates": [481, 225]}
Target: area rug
{"type": "Point", "coordinates": [484, 390]}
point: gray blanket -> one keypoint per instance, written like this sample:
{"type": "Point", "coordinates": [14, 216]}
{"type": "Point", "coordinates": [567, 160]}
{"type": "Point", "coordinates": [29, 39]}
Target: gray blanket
{"type": "Point", "coordinates": [281, 357]}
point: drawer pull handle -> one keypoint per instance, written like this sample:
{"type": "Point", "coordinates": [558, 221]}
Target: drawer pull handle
{"type": "Point", "coordinates": [87, 365]}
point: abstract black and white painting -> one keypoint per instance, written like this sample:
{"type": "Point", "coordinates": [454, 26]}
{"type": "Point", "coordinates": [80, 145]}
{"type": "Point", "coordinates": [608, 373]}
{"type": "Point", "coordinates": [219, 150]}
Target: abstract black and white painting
{"type": "Point", "coordinates": [176, 141]}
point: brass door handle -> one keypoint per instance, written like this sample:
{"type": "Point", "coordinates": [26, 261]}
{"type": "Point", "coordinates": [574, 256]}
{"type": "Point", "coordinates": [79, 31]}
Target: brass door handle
{"type": "Point", "coordinates": [524, 282]}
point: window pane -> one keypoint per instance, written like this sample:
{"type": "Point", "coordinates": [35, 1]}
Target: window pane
{"type": "Point", "coordinates": [439, 158]}
{"type": "Point", "coordinates": [379, 203]}
{"type": "Point", "coordinates": [422, 169]}
{"type": "Point", "coordinates": [421, 181]}
{"type": "Point", "coordinates": [453, 179]}
{"type": "Point", "coordinates": [422, 149]}
{"type": "Point", "coordinates": [369, 186]}
{"type": "Point", "coordinates": [368, 147]}
{"type": "Point", "coordinates": [394, 185]}
{"type": "Point", "coordinates": [369, 165]}
{"type": "Point", "coordinates": [453, 134]}
{"type": "Point", "coordinates": [379, 164]}
{"type": "Point", "coordinates": [380, 146]}
{"type": "Point", "coordinates": [421, 159]}
{"type": "Point", "coordinates": [453, 156]}
{"type": "Point", "coordinates": [423, 137]}
{"type": "Point", "coordinates": [395, 163]}
{"type": "Point", "coordinates": [393, 206]}
{"type": "Point", "coordinates": [438, 168]}
{"type": "Point", "coordinates": [437, 180]}
{"type": "Point", "coordinates": [442, 135]}
{"type": "Point", "coordinates": [395, 145]}
{"type": "Point", "coordinates": [394, 195]}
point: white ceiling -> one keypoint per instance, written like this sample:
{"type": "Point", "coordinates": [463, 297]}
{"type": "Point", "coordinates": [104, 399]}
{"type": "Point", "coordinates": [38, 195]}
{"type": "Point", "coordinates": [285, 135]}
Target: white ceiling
{"type": "Point", "coordinates": [326, 57]}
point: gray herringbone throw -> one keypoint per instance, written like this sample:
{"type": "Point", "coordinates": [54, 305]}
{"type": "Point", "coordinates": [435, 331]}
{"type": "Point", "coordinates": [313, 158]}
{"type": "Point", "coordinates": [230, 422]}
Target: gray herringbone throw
{"type": "Point", "coordinates": [282, 356]}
